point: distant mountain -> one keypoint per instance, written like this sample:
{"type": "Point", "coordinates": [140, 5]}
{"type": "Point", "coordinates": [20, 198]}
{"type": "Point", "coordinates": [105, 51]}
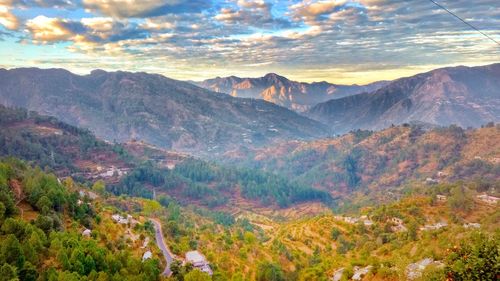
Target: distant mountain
{"type": "Point", "coordinates": [279, 90]}
{"type": "Point", "coordinates": [465, 96]}
{"type": "Point", "coordinates": [123, 106]}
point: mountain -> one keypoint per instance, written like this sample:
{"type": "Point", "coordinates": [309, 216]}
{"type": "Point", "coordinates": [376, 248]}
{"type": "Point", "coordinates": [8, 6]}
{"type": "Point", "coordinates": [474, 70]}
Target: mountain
{"type": "Point", "coordinates": [465, 96]}
{"type": "Point", "coordinates": [121, 106]}
{"type": "Point", "coordinates": [277, 89]}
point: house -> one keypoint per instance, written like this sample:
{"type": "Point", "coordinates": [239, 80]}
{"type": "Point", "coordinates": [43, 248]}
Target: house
{"type": "Point", "coordinates": [119, 219]}
{"type": "Point", "coordinates": [337, 275]}
{"type": "Point", "coordinates": [198, 261]}
{"type": "Point", "coordinates": [442, 174]}
{"type": "Point", "coordinates": [414, 270]}
{"type": "Point", "coordinates": [86, 233]}
{"type": "Point", "coordinates": [431, 181]}
{"type": "Point", "coordinates": [441, 198]}
{"type": "Point", "coordinates": [488, 199]}
{"type": "Point", "coordinates": [147, 255]}
{"type": "Point", "coordinates": [397, 221]}
{"type": "Point", "coordinates": [360, 272]}
{"type": "Point", "coordinates": [436, 226]}
{"type": "Point", "coordinates": [471, 225]}
{"type": "Point", "coordinates": [367, 222]}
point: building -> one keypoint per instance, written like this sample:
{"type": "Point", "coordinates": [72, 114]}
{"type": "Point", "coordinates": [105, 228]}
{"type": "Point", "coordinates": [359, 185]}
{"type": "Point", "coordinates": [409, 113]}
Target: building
{"type": "Point", "coordinates": [397, 221]}
{"type": "Point", "coordinates": [119, 219]}
{"type": "Point", "coordinates": [488, 199]}
{"type": "Point", "coordinates": [147, 255]}
{"type": "Point", "coordinates": [471, 225]}
{"type": "Point", "coordinates": [431, 181]}
{"type": "Point", "coordinates": [441, 198]}
{"type": "Point", "coordinates": [198, 261]}
{"type": "Point", "coordinates": [86, 233]}
{"type": "Point", "coordinates": [436, 226]}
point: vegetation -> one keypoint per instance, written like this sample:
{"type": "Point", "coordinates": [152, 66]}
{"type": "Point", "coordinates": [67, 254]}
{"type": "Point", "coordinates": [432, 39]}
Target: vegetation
{"type": "Point", "coordinates": [50, 246]}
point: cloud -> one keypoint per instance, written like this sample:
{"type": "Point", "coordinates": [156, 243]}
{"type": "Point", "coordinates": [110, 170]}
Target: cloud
{"type": "Point", "coordinates": [252, 13]}
{"type": "Point", "coordinates": [57, 4]}
{"type": "Point", "coordinates": [7, 18]}
{"type": "Point", "coordinates": [45, 30]}
{"type": "Point", "coordinates": [97, 30]}
{"type": "Point", "coordinates": [145, 8]}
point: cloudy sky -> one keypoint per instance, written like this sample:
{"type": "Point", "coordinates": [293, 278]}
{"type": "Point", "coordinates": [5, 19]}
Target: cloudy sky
{"type": "Point", "coordinates": [340, 41]}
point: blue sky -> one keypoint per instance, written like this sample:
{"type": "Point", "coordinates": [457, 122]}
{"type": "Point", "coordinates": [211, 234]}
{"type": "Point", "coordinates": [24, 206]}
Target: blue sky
{"type": "Point", "coordinates": [339, 41]}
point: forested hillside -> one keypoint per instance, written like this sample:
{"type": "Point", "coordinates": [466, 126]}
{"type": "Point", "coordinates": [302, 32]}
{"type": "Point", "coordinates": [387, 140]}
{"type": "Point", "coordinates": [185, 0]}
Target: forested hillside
{"type": "Point", "coordinates": [41, 226]}
{"type": "Point", "coordinates": [140, 170]}
{"type": "Point", "coordinates": [383, 161]}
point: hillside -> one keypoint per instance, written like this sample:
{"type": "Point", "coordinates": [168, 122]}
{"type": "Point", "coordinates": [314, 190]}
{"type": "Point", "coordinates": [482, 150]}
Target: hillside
{"type": "Point", "coordinates": [464, 96]}
{"type": "Point", "coordinates": [277, 89]}
{"type": "Point", "coordinates": [140, 169]}
{"type": "Point", "coordinates": [378, 162]}
{"type": "Point", "coordinates": [122, 106]}
{"type": "Point", "coordinates": [67, 150]}
{"type": "Point", "coordinates": [54, 231]}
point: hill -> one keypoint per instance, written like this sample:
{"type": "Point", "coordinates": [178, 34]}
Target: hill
{"type": "Point", "coordinates": [464, 96]}
{"type": "Point", "coordinates": [122, 106]}
{"type": "Point", "coordinates": [381, 163]}
{"type": "Point", "coordinates": [140, 169]}
{"type": "Point", "coordinates": [277, 89]}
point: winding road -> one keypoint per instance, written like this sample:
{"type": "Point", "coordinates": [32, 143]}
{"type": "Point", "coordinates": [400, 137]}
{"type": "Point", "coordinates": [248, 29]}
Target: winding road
{"type": "Point", "coordinates": [169, 257]}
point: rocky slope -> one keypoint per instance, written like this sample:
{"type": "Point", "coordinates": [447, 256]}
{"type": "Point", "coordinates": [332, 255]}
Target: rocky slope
{"type": "Point", "coordinates": [279, 90]}
{"type": "Point", "coordinates": [171, 114]}
{"type": "Point", "coordinates": [466, 96]}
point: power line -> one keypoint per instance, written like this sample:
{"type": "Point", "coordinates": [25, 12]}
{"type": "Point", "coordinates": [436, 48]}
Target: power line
{"type": "Point", "coordinates": [462, 20]}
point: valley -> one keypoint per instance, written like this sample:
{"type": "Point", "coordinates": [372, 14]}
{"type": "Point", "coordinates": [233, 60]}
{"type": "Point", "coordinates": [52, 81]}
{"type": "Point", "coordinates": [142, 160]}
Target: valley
{"type": "Point", "coordinates": [269, 195]}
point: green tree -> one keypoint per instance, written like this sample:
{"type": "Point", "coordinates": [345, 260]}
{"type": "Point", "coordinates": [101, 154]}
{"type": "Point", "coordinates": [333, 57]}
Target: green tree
{"type": "Point", "coordinates": [99, 187]}
{"type": "Point", "coordinates": [477, 258]}
{"type": "Point", "coordinates": [44, 205]}
{"type": "Point", "coordinates": [268, 271]}
{"type": "Point", "coordinates": [12, 251]}
{"type": "Point", "coordinates": [8, 272]}
{"type": "Point", "coordinates": [197, 275]}
{"type": "Point", "coordinates": [460, 199]}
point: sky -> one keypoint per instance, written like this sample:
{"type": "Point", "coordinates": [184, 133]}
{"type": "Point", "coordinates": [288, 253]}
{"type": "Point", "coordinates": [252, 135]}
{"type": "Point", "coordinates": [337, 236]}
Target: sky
{"type": "Point", "coordinates": [339, 41]}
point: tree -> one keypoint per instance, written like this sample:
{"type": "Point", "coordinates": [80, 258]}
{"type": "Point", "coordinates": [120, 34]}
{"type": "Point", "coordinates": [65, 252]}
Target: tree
{"type": "Point", "coordinates": [12, 251]}
{"type": "Point", "coordinates": [8, 273]}
{"type": "Point", "coordinates": [197, 275]}
{"type": "Point", "coordinates": [99, 187]}
{"type": "Point", "coordinates": [28, 273]}
{"type": "Point", "coordinates": [44, 205]}
{"type": "Point", "coordinates": [460, 199]}
{"type": "Point", "coordinates": [475, 259]}
{"type": "Point", "coordinates": [268, 271]}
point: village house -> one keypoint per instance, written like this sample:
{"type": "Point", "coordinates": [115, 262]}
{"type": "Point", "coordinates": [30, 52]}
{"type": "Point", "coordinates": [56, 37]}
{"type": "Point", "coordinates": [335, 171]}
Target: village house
{"type": "Point", "coordinates": [360, 272]}
{"type": "Point", "coordinates": [396, 221]}
{"type": "Point", "coordinates": [86, 233]}
{"type": "Point", "coordinates": [441, 198]}
{"type": "Point", "coordinates": [120, 219]}
{"type": "Point", "coordinates": [436, 226]}
{"type": "Point", "coordinates": [471, 225]}
{"type": "Point", "coordinates": [431, 181]}
{"type": "Point", "coordinates": [488, 199]}
{"type": "Point", "coordinates": [198, 261]}
{"type": "Point", "coordinates": [147, 255]}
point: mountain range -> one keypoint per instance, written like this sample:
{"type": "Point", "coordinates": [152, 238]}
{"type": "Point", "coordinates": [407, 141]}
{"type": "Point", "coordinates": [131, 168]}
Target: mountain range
{"type": "Point", "coordinates": [465, 96]}
{"type": "Point", "coordinates": [277, 89]}
{"type": "Point", "coordinates": [120, 106]}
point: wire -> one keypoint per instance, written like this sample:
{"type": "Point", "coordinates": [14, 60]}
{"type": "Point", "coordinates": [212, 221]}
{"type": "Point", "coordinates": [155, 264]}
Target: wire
{"type": "Point", "coordinates": [462, 20]}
